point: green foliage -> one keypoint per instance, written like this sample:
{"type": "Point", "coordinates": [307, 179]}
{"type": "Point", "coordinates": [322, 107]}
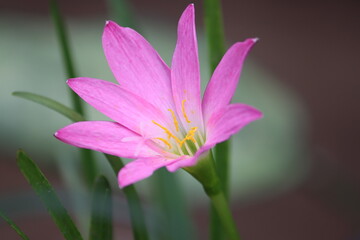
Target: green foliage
{"type": "Point", "coordinates": [52, 104]}
{"type": "Point", "coordinates": [101, 211]}
{"type": "Point", "coordinates": [46, 193]}
{"type": "Point", "coordinates": [136, 212]}
{"type": "Point", "coordinates": [216, 47]}
{"type": "Point", "coordinates": [14, 226]}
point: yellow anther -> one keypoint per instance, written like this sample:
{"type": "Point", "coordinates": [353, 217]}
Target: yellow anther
{"type": "Point", "coordinates": [189, 136]}
{"type": "Point", "coordinates": [167, 131]}
{"type": "Point", "coordinates": [165, 142]}
{"type": "Point", "coordinates": [176, 123]}
{"type": "Point", "coordinates": [183, 111]}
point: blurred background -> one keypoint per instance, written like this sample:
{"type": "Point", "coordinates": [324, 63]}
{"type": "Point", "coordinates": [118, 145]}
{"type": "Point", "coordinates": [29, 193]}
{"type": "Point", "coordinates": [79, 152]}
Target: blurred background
{"type": "Point", "coordinates": [294, 174]}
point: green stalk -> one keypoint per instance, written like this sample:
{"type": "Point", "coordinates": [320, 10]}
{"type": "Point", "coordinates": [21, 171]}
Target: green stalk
{"type": "Point", "coordinates": [216, 48]}
{"type": "Point", "coordinates": [221, 206]}
{"type": "Point", "coordinates": [87, 157]}
{"type": "Point", "coordinates": [205, 172]}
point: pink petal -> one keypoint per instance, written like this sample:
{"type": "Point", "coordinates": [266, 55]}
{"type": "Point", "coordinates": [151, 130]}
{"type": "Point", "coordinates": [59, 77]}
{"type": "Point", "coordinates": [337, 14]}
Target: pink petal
{"type": "Point", "coordinates": [121, 105]}
{"type": "Point", "coordinates": [137, 66]}
{"type": "Point", "coordinates": [140, 169]}
{"type": "Point", "coordinates": [223, 82]}
{"type": "Point", "coordinates": [106, 137]}
{"type": "Point", "coordinates": [189, 160]}
{"type": "Point", "coordinates": [228, 121]}
{"type": "Point", "coordinates": [185, 72]}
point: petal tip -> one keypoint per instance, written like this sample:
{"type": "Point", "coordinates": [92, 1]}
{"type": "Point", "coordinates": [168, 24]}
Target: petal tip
{"type": "Point", "coordinates": [70, 81]}
{"type": "Point", "coordinates": [122, 180]}
{"type": "Point", "coordinates": [190, 10]}
{"type": "Point", "coordinates": [255, 40]}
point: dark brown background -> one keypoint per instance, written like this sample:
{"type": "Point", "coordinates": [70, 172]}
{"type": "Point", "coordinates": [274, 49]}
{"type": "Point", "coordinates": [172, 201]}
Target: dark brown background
{"type": "Point", "coordinates": [313, 48]}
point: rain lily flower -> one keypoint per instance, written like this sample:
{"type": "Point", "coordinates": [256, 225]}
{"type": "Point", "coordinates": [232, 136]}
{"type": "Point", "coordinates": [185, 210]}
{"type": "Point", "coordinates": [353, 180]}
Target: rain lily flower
{"type": "Point", "coordinates": [159, 117]}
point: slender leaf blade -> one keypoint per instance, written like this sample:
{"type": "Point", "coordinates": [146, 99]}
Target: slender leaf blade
{"type": "Point", "coordinates": [46, 193]}
{"type": "Point", "coordinates": [101, 211]}
{"type": "Point", "coordinates": [216, 48]}
{"type": "Point", "coordinates": [14, 226]}
{"type": "Point", "coordinates": [136, 212]}
{"type": "Point", "coordinates": [175, 219]}
{"type": "Point", "coordinates": [52, 104]}
{"type": "Point", "coordinates": [65, 50]}
{"type": "Point", "coordinates": [87, 157]}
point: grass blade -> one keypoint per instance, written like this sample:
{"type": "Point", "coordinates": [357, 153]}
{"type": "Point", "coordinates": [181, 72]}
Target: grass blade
{"type": "Point", "coordinates": [65, 50]}
{"type": "Point", "coordinates": [170, 200]}
{"type": "Point", "coordinates": [52, 104]}
{"type": "Point", "coordinates": [101, 214]}
{"type": "Point", "coordinates": [137, 216]}
{"type": "Point", "coordinates": [216, 48]}
{"type": "Point", "coordinates": [46, 193]}
{"type": "Point", "coordinates": [87, 157]}
{"type": "Point", "coordinates": [14, 226]}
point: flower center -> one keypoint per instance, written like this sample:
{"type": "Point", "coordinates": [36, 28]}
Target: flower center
{"type": "Point", "coordinates": [187, 144]}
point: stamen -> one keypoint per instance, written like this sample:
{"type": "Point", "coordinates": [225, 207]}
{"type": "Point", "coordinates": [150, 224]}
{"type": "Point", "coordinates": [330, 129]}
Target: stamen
{"type": "Point", "coordinates": [167, 131]}
{"type": "Point", "coordinates": [201, 139]}
{"type": "Point", "coordinates": [179, 149]}
{"type": "Point", "coordinates": [166, 142]}
{"type": "Point", "coordinates": [197, 145]}
{"type": "Point", "coordinates": [188, 149]}
{"type": "Point", "coordinates": [183, 111]}
{"type": "Point", "coordinates": [189, 136]}
{"type": "Point", "coordinates": [176, 123]}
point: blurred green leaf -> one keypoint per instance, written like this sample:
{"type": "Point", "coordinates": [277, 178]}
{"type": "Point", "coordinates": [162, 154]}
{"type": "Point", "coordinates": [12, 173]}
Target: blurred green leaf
{"type": "Point", "coordinates": [46, 193]}
{"type": "Point", "coordinates": [65, 50]}
{"type": "Point", "coordinates": [14, 226]}
{"type": "Point", "coordinates": [216, 46]}
{"type": "Point", "coordinates": [136, 212]}
{"type": "Point", "coordinates": [87, 157]}
{"type": "Point", "coordinates": [175, 221]}
{"type": "Point", "coordinates": [101, 211]}
{"type": "Point", "coordinates": [52, 104]}
{"type": "Point", "coordinates": [86, 154]}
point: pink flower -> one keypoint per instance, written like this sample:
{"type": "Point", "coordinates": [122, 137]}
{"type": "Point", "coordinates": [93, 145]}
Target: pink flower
{"type": "Point", "coordinates": [160, 119]}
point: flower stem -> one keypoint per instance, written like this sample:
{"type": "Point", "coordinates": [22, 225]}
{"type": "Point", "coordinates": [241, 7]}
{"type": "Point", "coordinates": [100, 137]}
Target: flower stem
{"type": "Point", "coordinates": [205, 172]}
{"type": "Point", "coordinates": [221, 206]}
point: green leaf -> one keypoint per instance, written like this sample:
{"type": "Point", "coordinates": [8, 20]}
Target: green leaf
{"type": "Point", "coordinates": [52, 104]}
{"type": "Point", "coordinates": [87, 157]}
{"type": "Point", "coordinates": [216, 47]}
{"type": "Point", "coordinates": [65, 50]}
{"type": "Point", "coordinates": [14, 226]}
{"type": "Point", "coordinates": [46, 193]}
{"type": "Point", "coordinates": [136, 212]}
{"type": "Point", "coordinates": [101, 211]}
{"type": "Point", "coordinates": [175, 222]}
{"type": "Point", "coordinates": [214, 31]}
